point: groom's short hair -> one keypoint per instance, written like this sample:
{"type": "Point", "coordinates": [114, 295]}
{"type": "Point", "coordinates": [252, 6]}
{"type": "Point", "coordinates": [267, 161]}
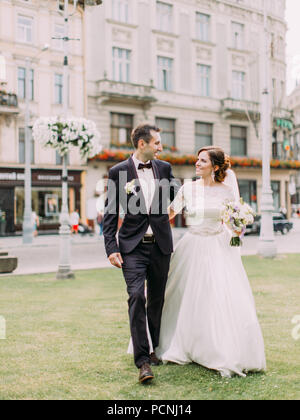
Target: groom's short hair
{"type": "Point", "coordinates": [143, 131]}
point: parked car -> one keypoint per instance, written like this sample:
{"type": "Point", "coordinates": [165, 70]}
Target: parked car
{"type": "Point", "coordinates": [280, 223]}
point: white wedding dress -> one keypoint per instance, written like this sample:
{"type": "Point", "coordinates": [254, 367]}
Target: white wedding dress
{"type": "Point", "coordinates": [209, 315]}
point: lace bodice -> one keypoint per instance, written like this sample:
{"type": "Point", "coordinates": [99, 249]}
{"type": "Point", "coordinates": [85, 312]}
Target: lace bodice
{"type": "Point", "coordinates": [202, 206]}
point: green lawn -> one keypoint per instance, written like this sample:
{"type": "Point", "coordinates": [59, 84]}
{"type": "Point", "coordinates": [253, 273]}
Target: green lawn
{"type": "Point", "coordinates": [68, 340]}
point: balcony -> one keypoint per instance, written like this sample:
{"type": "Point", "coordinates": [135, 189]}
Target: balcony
{"type": "Point", "coordinates": [125, 93]}
{"type": "Point", "coordinates": [240, 109]}
{"type": "Point", "coordinates": [8, 103]}
{"type": "Point", "coordinates": [283, 114]}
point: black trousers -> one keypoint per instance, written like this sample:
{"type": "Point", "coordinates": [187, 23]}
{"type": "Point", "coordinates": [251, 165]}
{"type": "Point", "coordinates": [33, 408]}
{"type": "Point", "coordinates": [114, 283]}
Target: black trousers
{"type": "Point", "coordinates": [145, 262]}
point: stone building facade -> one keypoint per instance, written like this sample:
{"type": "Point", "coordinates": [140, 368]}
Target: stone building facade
{"type": "Point", "coordinates": [25, 28]}
{"type": "Point", "coordinates": [193, 67]}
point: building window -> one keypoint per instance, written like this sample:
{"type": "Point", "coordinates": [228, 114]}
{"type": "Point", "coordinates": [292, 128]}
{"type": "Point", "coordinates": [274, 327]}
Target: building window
{"type": "Point", "coordinates": [22, 83]}
{"type": "Point", "coordinates": [297, 146]}
{"type": "Point", "coordinates": [25, 29]}
{"type": "Point", "coordinates": [120, 10]}
{"type": "Point", "coordinates": [238, 35]}
{"type": "Point", "coordinates": [46, 202]}
{"type": "Point", "coordinates": [167, 126]}
{"type": "Point", "coordinates": [121, 127]}
{"type": "Point", "coordinates": [248, 192]}
{"type": "Point", "coordinates": [22, 146]}
{"type": "Point", "coordinates": [203, 27]}
{"type": "Point", "coordinates": [58, 89]}
{"type": "Point", "coordinates": [2, 68]}
{"type": "Point", "coordinates": [59, 32]}
{"type": "Point", "coordinates": [277, 147]}
{"type": "Point", "coordinates": [203, 80]}
{"type": "Point", "coordinates": [238, 85]}
{"type": "Point", "coordinates": [203, 135]}
{"type": "Point", "coordinates": [121, 64]}
{"type": "Point", "coordinates": [281, 46]}
{"type": "Point", "coordinates": [275, 185]}
{"type": "Point", "coordinates": [274, 99]}
{"type": "Point", "coordinates": [238, 141]}
{"type": "Point", "coordinates": [165, 73]}
{"type": "Point", "coordinates": [164, 16]}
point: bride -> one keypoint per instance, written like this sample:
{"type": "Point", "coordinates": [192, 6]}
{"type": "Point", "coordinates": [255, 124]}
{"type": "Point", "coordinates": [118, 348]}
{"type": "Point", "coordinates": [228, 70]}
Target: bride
{"type": "Point", "coordinates": [209, 315]}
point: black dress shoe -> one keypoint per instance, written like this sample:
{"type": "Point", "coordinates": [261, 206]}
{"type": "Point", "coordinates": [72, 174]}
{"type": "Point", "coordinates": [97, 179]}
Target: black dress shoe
{"type": "Point", "coordinates": [146, 373]}
{"type": "Point", "coordinates": [154, 360]}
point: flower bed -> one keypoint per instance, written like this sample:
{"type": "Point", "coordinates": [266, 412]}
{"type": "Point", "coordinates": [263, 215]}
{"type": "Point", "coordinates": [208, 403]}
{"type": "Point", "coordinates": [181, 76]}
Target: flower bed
{"type": "Point", "coordinates": [190, 160]}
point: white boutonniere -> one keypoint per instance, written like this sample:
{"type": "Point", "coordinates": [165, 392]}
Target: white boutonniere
{"type": "Point", "coordinates": [130, 187]}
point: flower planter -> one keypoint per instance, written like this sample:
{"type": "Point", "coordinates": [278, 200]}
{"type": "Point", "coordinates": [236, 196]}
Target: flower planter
{"type": "Point", "coordinates": [65, 134]}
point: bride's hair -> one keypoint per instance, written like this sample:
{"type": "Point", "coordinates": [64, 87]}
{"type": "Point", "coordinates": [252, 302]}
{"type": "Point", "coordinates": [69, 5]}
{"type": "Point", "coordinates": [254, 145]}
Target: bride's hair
{"type": "Point", "coordinates": [217, 158]}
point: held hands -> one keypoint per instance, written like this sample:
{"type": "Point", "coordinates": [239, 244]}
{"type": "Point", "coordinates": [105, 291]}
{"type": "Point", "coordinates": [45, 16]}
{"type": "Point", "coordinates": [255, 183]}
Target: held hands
{"type": "Point", "coordinates": [116, 260]}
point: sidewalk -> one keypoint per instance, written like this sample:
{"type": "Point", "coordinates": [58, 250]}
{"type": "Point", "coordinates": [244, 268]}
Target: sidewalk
{"type": "Point", "coordinates": [88, 252]}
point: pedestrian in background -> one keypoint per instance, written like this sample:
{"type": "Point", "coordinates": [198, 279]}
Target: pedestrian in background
{"type": "Point", "coordinates": [91, 212]}
{"type": "Point", "coordinates": [74, 219]}
{"type": "Point", "coordinates": [100, 206]}
{"type": "Point", "coordinates": [35, 222]}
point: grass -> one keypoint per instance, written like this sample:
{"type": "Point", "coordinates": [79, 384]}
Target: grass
{"type": "Point", "coordinates": [68, 340]}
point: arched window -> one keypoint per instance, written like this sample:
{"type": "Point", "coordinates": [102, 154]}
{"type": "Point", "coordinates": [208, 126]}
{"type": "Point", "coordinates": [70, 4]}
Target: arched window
{"type": "Point", "coordinates": [2, 68]}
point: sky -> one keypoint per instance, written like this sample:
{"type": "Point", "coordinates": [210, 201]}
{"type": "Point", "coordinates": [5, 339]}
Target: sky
{"type": "Point", "coordinates": [293, 42]}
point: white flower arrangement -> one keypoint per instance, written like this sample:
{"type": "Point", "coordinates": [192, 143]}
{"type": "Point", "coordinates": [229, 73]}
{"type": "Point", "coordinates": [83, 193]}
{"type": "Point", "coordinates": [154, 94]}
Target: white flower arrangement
{"type": "Point", "coordinates": [63, 134]}
{"type": "Point", "coordinates": [236, 216]}
{"type": "Point", "coordinates": [130, 187]}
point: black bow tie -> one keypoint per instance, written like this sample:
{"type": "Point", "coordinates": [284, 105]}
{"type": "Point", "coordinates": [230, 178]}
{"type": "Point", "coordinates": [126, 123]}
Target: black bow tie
{"type": "Point", "coordinates": [145, 165]}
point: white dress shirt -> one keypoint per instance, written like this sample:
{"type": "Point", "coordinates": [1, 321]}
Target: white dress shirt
{"type": "Point", "coordinates": [147, 182]}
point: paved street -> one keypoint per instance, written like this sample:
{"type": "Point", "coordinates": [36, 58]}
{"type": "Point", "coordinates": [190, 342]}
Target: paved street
{"type": "Point", "coordinates": [88, 251]}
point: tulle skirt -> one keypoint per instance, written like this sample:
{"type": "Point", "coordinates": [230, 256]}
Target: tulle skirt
{"type": "Point", "coordinates": [209, 316]}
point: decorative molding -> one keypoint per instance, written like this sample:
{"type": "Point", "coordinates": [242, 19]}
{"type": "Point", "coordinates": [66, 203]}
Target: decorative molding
{"type": "Point", "coordinates": [207, 4]}
{"type": "Point", "coordinates": [238, 60]}
{"type": "Point", "coordinates": [123, 24]}
{"type": "Point", "coordinates": [165, 45]}
{"type": "Point", "coordinates": [203, 53]}
{"type": "Point", "coordinates": [121, 35]}
{"type": "Point", "coordinates": [170, 34]}
{"type": "Point", "coordinates": [204, 43]}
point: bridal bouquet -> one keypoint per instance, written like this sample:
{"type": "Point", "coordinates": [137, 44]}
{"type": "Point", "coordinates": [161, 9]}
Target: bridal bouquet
{"type": "Point", "coordinates": [237, 215]}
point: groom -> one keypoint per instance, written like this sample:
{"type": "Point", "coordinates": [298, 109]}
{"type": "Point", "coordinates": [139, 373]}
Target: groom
{"type": "Point", "coordinates": [141, 186]}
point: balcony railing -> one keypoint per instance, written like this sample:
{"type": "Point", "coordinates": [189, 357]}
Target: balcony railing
{"type": "Point", "coordinates": [112, 91]}
{"type": "Point", "coordinates": [236, 108]}
{"type": "Point", "coordinates": [8, 103]}
{"type": "Point", "coordinates": [283, 114]}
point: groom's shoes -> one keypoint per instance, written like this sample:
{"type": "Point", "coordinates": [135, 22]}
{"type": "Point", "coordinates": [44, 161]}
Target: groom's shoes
{"type": "Point", "coordinates": [154, 360]}
{"type": "Point", "coordinates": [146, 373]}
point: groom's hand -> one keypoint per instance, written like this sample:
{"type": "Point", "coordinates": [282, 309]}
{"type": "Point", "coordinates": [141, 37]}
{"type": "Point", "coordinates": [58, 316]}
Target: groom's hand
{"type": "Point", "coordinates": [116, 260]}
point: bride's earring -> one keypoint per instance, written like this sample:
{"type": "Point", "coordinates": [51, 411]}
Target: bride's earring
{"type": "Point", "coordinates": [213, 175]}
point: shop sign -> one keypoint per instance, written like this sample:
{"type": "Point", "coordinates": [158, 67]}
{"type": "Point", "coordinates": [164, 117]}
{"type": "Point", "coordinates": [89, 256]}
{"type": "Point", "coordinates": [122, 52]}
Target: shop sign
{"type": "Point", "coordinates": [13, 176]}
{"type": "Point", "coordinates": [53, 178]}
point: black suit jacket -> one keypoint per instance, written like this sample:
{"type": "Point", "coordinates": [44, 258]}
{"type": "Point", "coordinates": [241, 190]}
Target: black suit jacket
{"type": "Point", "coordinates": [137, 221]}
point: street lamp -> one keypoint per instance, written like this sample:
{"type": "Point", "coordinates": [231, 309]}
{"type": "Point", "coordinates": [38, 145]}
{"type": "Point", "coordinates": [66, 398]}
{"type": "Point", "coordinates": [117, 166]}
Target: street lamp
{"type": "Point", "coordinates": [267, 245]}
{"type": "Point", "coordinates": [27, 220]}
{"type": "Point", "coordinates": [64, 268]}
